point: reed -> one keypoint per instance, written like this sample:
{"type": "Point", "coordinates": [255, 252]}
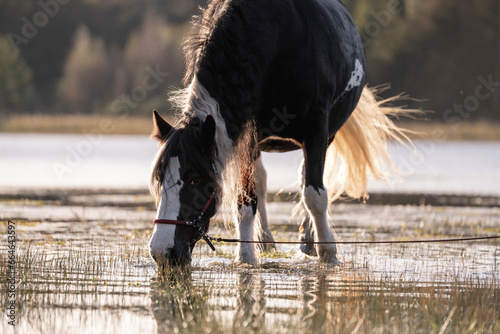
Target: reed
{"type": "Point", "coordinates": [311, 297]}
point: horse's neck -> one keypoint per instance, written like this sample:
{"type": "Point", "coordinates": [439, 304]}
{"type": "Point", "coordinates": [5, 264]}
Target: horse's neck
{"type": "Point", "coordinates": [201, 105]}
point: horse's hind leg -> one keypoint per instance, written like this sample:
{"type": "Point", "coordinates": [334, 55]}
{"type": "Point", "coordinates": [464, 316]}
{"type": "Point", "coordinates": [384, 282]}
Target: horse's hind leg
{"type": "Point", "coordinates": [264, 232]}
{"type": "Point", "coordinates": [306, 236]}
{"type": "Point", "coordinates": [315, 196]}
{"type": "Point", "coordinates": [306, 232]}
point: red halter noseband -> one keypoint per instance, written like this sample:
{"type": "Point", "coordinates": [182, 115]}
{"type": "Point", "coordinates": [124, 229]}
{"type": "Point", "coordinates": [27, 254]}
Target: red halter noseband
{"type": "Point", "coordinates": [195, 222]}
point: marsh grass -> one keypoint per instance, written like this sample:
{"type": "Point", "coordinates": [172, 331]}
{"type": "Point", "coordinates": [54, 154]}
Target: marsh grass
{"type": "Point", "coordinates": [387, 306]}
{"type": "Point", "coordinates": [467, 130]}
{"type": "Point", "coordinates": [71, 280]}
{"type": "Point", "coordinates": [142, 125]}
{"type": "Point", "coordinates": [300, 297]}
{"type": "Point", "coordinates": [51, 269]}
{"type": "Point", "coordinates": [132, 125]}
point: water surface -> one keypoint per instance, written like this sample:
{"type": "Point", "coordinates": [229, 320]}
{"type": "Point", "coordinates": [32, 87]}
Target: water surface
{"type": "Point", "coordinates": [56, 160]}
{"type": "Point", "coordinates": [84, 268]}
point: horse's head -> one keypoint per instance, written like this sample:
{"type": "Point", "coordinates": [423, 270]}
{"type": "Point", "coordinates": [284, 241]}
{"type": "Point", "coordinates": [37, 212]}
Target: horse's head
{"type": "Point", "coordinates": [184, 183]}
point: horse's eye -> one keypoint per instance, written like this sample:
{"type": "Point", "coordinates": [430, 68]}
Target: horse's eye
{"type": "Point", "coordinates": [195, 182]}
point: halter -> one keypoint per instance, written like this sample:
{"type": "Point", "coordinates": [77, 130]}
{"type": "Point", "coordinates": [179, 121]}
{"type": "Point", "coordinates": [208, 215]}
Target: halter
{"type": "Point", "coordinates": [196, 223]}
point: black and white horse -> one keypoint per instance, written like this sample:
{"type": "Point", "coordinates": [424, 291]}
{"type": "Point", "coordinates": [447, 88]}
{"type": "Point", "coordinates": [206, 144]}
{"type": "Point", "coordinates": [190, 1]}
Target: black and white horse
{"type": "Point", "coordinates": [270, 76]}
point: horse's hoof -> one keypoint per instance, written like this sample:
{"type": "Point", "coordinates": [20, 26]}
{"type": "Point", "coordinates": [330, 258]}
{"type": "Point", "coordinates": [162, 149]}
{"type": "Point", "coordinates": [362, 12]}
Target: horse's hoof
{"type": "Point", "coordinates": [268, 245]}
{"type": "Point", "coordinates": [307, 238]}
{"type": "Point", "coordinates": [308, 249]}
{"type": "Point", "coordinates": [245, 262]}
{"type": "Point", "coordinates": [328, 255]}
{"type": "Point", "coordinates": [246, 258]}
{"type": "Point", "coordinates": [332, 262]}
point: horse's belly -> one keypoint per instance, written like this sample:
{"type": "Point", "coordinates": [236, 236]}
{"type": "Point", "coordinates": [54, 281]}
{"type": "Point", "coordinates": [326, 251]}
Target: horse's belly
{"type": "Point", "coordinates": [278, 145]}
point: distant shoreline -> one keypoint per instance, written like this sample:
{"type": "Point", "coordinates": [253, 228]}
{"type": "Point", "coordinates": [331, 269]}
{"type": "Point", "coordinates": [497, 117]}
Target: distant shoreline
{"type": "Point", "coordinates": [142, 125]}
{"type": "Point", "coordinates": [140, 197]}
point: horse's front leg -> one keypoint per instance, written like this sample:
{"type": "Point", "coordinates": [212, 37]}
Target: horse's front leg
{"type": "Point", "coordinates": [246, 219]}
{"type": "Point", "coordinates": [315, 196]}
{"type": "Point", "coordinates": [245, 251]}
{"type": "Point", "coordinates": [306, 230]}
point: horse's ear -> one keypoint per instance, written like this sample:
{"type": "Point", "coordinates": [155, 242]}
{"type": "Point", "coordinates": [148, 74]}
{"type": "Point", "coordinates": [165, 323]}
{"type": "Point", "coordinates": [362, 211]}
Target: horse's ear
{"type": "Point", "coordinates": [161, 128]}
{"type": "Point", "coordinates": [208, 132]}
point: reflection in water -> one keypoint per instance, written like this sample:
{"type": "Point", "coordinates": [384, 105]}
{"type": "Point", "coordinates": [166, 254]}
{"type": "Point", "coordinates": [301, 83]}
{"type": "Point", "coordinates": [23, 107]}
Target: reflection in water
{"type": "Point", "coordinates": [306, 298]}
{"type": "Point", "coordinates": [251, 300]}
{"type": "Point", "coordinates": [325, 296]}
{"type": "Point", "coordinates": [177, 305]}
{"type": "Point", "coordinates": [250, 303]}
{"type": "Point", "coordinates": [180, 302]}
{"type": "Point", "coordinates": [315, 292]}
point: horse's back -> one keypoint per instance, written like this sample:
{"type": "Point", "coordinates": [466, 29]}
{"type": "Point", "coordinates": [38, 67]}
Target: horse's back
{"type": "Point", "coordinates": [319, 32]}
{"type": "Point", "coordinates": [318, 51]}
{"type": "Point", "coordinates": [277, 59]}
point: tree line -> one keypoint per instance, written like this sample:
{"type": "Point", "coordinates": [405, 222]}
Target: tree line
{"type": "Point", "coordinates": [122, 56]}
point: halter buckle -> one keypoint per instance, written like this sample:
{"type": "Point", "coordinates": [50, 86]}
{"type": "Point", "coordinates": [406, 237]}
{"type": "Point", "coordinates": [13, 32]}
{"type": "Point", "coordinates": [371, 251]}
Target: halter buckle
{"type": "Point", "coordinates": [194, 223]}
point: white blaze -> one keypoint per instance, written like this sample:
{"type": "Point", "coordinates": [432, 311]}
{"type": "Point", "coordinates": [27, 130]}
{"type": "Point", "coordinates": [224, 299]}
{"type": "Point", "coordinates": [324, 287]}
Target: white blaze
{"type": "Point", "coordinates": [168, 208]}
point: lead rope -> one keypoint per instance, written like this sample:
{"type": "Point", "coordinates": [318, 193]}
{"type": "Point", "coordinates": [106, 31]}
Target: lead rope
{"type": "Point", "coordinates": [208, 238]}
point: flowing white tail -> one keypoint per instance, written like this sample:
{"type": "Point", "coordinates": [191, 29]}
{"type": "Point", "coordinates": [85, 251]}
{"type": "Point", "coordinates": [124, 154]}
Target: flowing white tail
{"type": "Point", "coordinates": [361, 146]}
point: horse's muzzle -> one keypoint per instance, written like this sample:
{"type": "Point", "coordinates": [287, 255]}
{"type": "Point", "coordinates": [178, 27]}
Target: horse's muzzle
{"type": "Point", "coordinates": [173, 258]}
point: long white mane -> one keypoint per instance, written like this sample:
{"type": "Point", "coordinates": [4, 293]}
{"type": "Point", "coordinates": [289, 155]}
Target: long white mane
{"type": "Point", "coordinates": [232, 160]}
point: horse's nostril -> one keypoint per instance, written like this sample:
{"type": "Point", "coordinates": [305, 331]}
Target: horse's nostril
{"type": "Point", "coordinates": [162, 257]}
{"type": "Point", "coordinates": [171, 257]}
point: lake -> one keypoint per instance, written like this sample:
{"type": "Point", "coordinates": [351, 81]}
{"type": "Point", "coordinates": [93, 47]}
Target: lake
{"type": "Point", "coordinates": [96, 161]}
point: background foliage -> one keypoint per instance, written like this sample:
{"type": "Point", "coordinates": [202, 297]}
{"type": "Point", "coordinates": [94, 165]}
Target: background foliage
{"type": "Point", "coordinates": [87, 56]}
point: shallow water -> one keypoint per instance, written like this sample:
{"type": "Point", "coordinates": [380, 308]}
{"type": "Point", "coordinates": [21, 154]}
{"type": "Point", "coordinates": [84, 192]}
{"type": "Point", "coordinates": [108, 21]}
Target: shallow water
{"type": "Point", "coordinates": [91, 161]}
{"type": "Point", "coordinates": [84, 268]}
